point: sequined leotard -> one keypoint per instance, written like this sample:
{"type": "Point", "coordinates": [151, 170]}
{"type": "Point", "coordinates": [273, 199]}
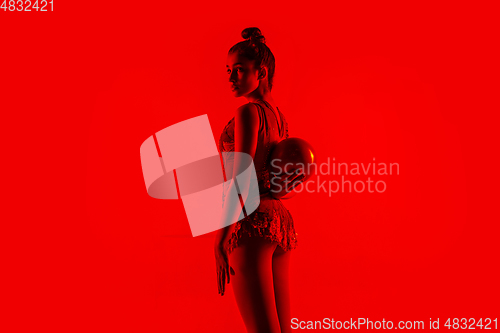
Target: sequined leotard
{"type": "Point", "coordinates": [271, 219]}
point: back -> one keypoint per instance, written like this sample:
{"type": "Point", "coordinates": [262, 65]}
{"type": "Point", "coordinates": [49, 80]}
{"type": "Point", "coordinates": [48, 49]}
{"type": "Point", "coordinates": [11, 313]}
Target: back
{"type": "Point", "coordinates": [271, 132]}
{"type": "Point", "coordinates": [273, 128]}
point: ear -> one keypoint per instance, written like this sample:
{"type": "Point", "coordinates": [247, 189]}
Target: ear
{"type": "Point", "coordinates": [262, 73]}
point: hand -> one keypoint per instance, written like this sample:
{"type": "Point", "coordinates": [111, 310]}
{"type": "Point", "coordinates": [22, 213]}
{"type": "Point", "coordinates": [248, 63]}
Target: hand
{"type": "Point", "coordinates": [294, 179]}
{"type": "Point", "coordinates": [282, 185]}
{"type": "Point", "coordinates": [222, 267]}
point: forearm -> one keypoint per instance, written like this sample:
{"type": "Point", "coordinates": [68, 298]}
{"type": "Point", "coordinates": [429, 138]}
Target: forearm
{"type": "Point", "coordinates": [223, 235]}
{"type": "Point", "coordinates": [231, 211]}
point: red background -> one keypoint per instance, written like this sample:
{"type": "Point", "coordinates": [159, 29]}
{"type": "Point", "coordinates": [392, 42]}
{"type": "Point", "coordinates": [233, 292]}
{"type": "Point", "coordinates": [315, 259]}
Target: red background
{"type": "Point", "coordinates": [86, 249]}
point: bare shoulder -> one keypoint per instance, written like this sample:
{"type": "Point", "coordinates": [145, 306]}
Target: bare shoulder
{"type": "Point", "coordinates": [247, 109]}
{"type": "Point", "coordinates": [248, 112]}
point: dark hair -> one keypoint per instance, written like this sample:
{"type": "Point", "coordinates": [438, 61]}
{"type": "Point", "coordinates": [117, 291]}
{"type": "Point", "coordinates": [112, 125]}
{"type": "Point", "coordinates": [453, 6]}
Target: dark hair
{"type": "Point", "coordinates": [254, 48]}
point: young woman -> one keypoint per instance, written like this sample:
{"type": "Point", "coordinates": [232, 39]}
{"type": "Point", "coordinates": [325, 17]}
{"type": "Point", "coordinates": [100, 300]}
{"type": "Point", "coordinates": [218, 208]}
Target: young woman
{"type": "Point", "coordinates": [253, 254]}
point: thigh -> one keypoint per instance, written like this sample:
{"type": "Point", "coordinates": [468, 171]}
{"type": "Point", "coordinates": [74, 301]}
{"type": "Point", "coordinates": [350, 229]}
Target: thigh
{"type": "Point", "coordinates": [281, 277]}
{"type": "Point", "coordinates": [252, 284]}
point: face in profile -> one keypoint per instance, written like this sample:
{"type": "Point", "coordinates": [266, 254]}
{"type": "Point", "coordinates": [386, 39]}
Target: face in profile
{"type": "Point", "coordinates": [243, 77]}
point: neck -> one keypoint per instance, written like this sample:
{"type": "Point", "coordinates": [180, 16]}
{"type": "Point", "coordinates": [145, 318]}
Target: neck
{"type": "Point", "coordinates": [260, 94]}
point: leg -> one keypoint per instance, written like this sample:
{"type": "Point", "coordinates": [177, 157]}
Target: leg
{"type": "Point", "coordinates": [281, 269]}
{"type": "Point", "coordinates": [252, 284]}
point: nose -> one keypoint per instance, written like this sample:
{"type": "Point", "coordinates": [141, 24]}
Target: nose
{"type": "Point", "coordinates": [233, 76]}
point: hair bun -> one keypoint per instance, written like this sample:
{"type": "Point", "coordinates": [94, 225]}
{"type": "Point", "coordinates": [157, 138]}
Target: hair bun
{"type": "Point", "coordinates": [253, 34]}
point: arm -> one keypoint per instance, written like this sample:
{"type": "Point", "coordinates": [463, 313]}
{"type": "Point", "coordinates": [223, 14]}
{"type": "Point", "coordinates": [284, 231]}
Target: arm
{"type": "Point", "coordinates": [246, 131]}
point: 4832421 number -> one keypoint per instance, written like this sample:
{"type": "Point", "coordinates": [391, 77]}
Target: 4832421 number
{"type": "Point", "coordinates": [464, 323]}
{"type": "Point", "coordinates": [27, 6]}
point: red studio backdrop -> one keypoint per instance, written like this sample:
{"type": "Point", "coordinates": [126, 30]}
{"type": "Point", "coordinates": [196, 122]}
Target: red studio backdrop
{"type": "Point", "coordinates": [86, 249]}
